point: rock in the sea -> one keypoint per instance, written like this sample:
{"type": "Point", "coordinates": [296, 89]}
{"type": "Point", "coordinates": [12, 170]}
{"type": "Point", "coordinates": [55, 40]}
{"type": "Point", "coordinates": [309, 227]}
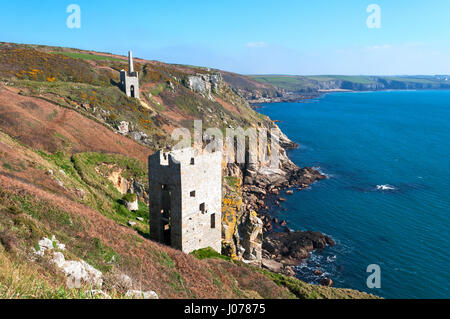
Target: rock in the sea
{"type": "Point", "coordinates": [282, 199]}
{"type": "Point", "coordinates": [318, 272]}
{"type": "Point", "coordinates": [326, 282]}
{"type": "Point", "coordinates": [137, 294]}
{"type": "Point", "coordinates": [294, 246]}
{"type": "Point", "coordinates": [290, 192]}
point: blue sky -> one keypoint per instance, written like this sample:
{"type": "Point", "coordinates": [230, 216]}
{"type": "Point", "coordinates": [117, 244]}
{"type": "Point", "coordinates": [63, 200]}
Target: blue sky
{"type": "Point", "coordinates": [250, 37]}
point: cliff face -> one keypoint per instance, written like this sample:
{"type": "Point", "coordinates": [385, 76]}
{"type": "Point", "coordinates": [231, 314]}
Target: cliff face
{"type": "Point", "coordinates": [71, 145]}
{"type": "Point", "coordinates": [287, 88]}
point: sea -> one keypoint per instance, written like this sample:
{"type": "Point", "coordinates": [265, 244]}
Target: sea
{"type": "Point", "coordinates": [386, 201]}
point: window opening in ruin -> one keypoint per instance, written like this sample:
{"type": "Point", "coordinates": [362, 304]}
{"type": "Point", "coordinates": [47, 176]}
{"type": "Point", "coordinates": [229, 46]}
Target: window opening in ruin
{"type": "Point", "coordinates": [213, 220]}
{"type": "Point", "coordinates": [166, 218]}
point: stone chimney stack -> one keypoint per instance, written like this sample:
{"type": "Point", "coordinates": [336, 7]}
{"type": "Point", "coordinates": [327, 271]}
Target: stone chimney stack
{"type": "Point", "coordinates": [129, 81]}
{"type": "Point", "coordinates": [130, 62]}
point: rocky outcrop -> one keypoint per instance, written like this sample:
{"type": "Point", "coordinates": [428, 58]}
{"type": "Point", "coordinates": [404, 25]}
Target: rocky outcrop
{"type": "Point", "coordinates": [123, 185]}
{"type": "Point", "coordinates": [256, 182]}
{"type": "Point", "coordinates": [46, 244]}
{"type": "Point", "coordinates": [123, 127]}
{"type": "Point", "coordinates": [139, 189]}
{"type": "Point", "coordinates": [205, 84]}
{"type": "Point", "coordinates": [78, 273]}
{"type": "Point", "coordinates": [251, 242]}
{"type": "Point", "coordinates": [290, 248]}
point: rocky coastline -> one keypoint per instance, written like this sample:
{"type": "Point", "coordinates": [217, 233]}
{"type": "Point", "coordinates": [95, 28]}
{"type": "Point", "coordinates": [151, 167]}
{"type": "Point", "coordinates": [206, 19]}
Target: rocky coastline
{"type": "Point", "coordinates": [285, 97]}
{"type": "Point", "coordinates": [282, 248]}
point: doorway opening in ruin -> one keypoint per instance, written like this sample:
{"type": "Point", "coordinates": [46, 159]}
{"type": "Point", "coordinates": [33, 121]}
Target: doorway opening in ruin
{"type": "Point", "coordinates": [132, 91]}
{"type": "Point", "coordinates": [166, 218]}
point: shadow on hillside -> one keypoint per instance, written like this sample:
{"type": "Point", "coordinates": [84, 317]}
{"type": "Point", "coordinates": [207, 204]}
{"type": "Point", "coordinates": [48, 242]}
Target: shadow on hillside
{"type": "Point", "coordinates": [114, 83]}
{"type": "Point", "coordinates": [143, 234]}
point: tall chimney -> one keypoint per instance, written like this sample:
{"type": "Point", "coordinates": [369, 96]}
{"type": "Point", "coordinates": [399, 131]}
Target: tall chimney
{"type": "Point", "coordinates": [130, 62]}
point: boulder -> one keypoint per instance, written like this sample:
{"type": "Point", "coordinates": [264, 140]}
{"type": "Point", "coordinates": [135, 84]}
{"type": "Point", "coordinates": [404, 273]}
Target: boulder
{"type": "Point", "coordinates": [123, 128]}
{"type": "Point", "coordinates": [58, 259]}
{"type": "Point", "coordinates": [271, 265]}
{"type": "Point", "coordinates": [79, 272]}
{"type": "Point", "coordinates": [45, 244]}
{"type": "Point", "coordinates": [326, 282]}
{"type": "Point", "coordinates": [132, 206]}
{"type": "Point", "coordinates": [138, 294]}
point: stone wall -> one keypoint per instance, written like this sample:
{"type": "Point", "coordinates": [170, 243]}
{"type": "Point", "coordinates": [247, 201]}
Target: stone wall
{"type": "Point", "coordinates": [190, 186]}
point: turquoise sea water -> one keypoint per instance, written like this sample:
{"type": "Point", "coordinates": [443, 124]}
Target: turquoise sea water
{"type": "Point", "coordinates": [400, 139]}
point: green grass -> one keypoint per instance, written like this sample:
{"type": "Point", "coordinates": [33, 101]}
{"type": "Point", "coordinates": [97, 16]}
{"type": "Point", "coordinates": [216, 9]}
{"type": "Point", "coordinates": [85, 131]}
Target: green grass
{"type": "Point", "coordinates": [208, 252]}
{"type": "Point", "coordinates": [87, 56]}
{"type": "Point", "coordinates": [303, 290]}
{"type": "Point", "coordinates": [129, 197]}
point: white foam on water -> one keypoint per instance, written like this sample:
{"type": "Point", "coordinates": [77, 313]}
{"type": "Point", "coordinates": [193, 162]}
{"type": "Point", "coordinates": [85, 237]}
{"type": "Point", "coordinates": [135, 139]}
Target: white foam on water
{"type": "Point", "coordinates": [385, 187]}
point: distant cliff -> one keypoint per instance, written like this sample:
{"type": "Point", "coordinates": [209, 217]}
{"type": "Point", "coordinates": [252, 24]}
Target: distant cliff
{"type": "Point", "coordinates": [283, 88]}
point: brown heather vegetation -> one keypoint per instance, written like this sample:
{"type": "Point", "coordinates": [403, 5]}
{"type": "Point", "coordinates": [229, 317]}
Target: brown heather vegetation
{"type": "Point", "coordinates": [58, 109]}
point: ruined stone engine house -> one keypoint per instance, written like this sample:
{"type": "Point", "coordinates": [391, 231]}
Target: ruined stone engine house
{"type": "Point", "coordinates": [129, 81]}
{"type": "Point", "coordinates": [185, 191]}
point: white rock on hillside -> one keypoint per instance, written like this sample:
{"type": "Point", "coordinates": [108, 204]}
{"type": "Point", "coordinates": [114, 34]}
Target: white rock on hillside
{"type": "Point", "coordinates": [99, 294]}
{"type": "Point", "coordinates": [123, 128]}
{"type": "Point", "coordinates": [79, 272]}
{"type": "Point", "coordinates": [48, 244]}
{"type": "Point", "coordinates": [137, 294]}
{"type": "Point", "coordinates": [132, 206]}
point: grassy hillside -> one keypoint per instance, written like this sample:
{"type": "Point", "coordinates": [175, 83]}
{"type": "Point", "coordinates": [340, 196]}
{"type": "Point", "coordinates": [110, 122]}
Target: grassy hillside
{"type": "Point", "coordinates": [64, 169]}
